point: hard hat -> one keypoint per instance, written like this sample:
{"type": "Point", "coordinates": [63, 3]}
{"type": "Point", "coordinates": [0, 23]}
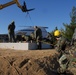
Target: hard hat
{"type": "Point", "coordinates": [57, 33]}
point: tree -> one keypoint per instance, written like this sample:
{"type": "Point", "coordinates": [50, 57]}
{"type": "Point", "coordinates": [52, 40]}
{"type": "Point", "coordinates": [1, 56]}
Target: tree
{"type": "Point", "coordinates": [69, 28]}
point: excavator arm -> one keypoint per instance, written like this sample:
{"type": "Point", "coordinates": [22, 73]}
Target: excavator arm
{"type": "Point", "coordinates": [23, 7]}
{"type": "Point", "coordinates": [10, 3]}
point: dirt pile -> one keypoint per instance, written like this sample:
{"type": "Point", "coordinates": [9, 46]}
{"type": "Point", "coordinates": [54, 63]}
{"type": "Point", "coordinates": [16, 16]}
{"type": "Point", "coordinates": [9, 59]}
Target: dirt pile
{"type": "Point", "coordinates": [39, 62]}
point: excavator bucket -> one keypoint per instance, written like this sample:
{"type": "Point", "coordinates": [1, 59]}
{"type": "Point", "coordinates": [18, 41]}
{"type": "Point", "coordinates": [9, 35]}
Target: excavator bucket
{"type": "Point", "coordinates": [24, 8]}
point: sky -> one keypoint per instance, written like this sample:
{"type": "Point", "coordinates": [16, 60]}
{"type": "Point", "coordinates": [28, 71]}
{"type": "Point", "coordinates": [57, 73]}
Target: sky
{"type": "Point", "coordinates": [47, 13]}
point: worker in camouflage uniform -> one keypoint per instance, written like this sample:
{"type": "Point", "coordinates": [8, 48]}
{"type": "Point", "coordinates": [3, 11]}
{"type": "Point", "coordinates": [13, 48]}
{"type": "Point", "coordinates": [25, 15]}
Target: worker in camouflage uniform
{"type": "Point", "coordinates": [61, 46]}
{"type": "Point", "coordinates": [38, 36]}
{"type": "Point", "coordinates": [32, 38]}
{"type": "Point", "coordinates": [61, 42]}
{"type": "Point", "coordinates": [11, 33]}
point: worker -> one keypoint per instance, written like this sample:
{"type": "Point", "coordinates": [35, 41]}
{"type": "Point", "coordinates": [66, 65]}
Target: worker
{"type": "Point", "coordinates": [26, 38]}
{"type": "Point", "coordinates": [61, 41]}
{"type": "Point", "coordinates": [61, 47]}
{"type": "Point", "coordinates": [32, 37]}
{"type": "Point", "coordinates": [38, 36]}
{"type": "Point", "coordinates": [11, 33]}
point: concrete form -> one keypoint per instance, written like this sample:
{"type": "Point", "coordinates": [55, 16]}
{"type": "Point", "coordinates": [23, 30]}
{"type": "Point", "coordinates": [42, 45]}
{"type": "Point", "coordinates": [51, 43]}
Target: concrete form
{"type": "Point", "coordinates": [22, 46]}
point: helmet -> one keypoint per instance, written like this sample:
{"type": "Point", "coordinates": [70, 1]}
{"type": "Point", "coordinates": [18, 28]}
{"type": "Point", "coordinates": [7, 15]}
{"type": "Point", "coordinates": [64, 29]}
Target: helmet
{"type": "Point", "coordinates": [57, 33]}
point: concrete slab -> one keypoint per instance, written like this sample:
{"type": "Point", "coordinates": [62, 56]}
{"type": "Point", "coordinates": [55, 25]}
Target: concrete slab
{"type": "Point", "coordinates": [22, 46]}
{"type": "Point", "coordinates": [18, 46]}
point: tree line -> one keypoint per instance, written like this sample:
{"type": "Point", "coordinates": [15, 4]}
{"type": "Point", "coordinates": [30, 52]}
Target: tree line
{"type": "Point", "coordinates": [68, 28]}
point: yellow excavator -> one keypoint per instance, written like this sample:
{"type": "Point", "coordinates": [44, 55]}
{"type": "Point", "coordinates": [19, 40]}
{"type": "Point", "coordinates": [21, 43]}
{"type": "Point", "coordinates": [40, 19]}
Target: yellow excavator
{"type": "Point", "coordinates": [22, 7]}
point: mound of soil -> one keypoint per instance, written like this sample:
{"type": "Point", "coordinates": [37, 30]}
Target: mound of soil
{"type": "Point", "coordinates": [31, 62]}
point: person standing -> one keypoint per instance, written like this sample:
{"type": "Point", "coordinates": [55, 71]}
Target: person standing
{"type": "Point", "coordinates": [38, 36]}
{"type": "Point", "coordinates": [11, 33]}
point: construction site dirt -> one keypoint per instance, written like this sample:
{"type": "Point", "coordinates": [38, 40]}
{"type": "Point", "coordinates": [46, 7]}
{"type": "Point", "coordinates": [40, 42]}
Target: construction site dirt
{"type": "Point", "coordinates": [30, 62]}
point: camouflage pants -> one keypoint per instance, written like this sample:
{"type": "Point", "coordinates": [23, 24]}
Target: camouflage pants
{"type": "Point", "coordinates": [63, 61]}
